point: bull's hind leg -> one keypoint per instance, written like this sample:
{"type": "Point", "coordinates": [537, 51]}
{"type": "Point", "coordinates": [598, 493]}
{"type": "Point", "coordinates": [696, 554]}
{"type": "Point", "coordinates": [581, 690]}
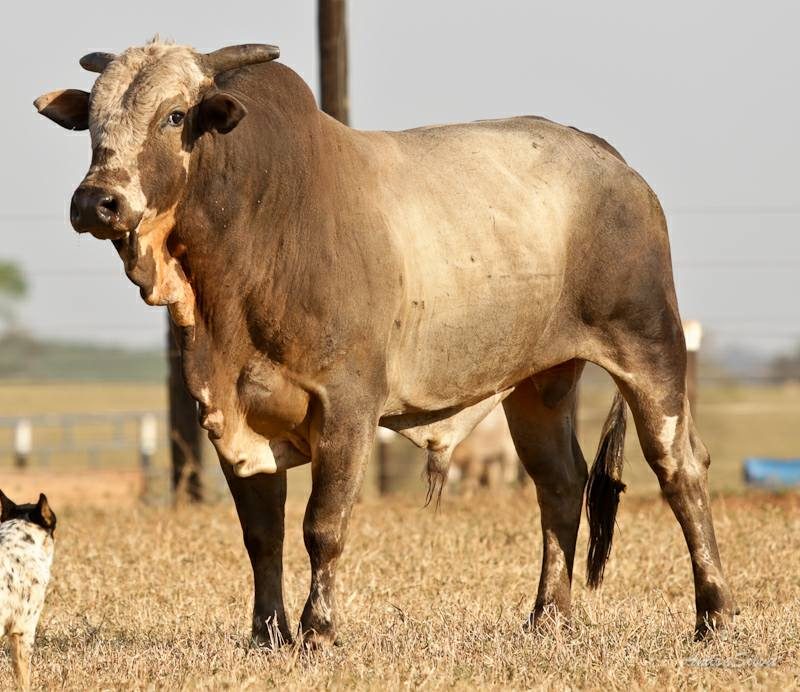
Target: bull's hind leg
{"type": "Point", "coordinates": [260, 501]}
{"type": "Point", "coordinates": [651, 376]}
{"type": "Point", "coordinates": [540, 415]}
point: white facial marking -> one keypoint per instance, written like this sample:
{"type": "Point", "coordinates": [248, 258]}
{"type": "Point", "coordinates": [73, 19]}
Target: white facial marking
{"type": "Point", "coordinates": [125, 98]}
{"type": "Point", "coordinates": [132, 191]}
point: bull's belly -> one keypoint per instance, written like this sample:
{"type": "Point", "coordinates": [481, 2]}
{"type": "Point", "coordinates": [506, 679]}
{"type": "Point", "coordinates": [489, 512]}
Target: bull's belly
{"type": "Point", "coordinates": [458, 346]}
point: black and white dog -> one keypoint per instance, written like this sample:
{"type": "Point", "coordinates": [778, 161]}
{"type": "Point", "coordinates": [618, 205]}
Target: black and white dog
{"type": "Point", "coordinates": [26, 553]}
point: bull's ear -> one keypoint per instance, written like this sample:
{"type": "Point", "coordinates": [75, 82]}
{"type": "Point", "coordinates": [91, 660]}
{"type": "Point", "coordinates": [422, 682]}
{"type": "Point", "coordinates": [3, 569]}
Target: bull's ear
{"type": "Point", "coordinates": [220, 112]}
{"type": "Point", "coordinates": [67, 107]}
{"type": "Point", "coordinates": [7, 507]}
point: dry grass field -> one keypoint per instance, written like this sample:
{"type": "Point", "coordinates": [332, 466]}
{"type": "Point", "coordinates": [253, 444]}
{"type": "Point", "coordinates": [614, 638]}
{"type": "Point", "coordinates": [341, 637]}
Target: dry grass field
{"type": "Point", "coordinates": [157, 598]}
{"type": "Point", "coordinates": [151, 597]}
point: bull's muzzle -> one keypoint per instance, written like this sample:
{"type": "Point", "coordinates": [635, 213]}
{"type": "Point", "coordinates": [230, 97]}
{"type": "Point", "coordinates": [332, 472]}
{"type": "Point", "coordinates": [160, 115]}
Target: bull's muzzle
{"type": "Point", "coordinates": [103, 213]}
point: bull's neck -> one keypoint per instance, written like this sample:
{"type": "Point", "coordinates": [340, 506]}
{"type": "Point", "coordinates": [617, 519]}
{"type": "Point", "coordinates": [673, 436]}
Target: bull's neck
{"type": "Point", "coordinates": [256, 188]}
{"type": "Point", "coordinates": [256, 221]}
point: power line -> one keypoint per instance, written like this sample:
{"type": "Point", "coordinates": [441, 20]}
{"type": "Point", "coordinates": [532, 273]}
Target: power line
{"type": "Point", "coordinates": [789, 210]}
{"type": "Point", "coordinates": [738, 263]}
{"type": "Point", "coordinates": [760, 336]}
{"type": "Point", "coordinates": [728, 328]}
{"type": "Point", "coordinates": [753, 210]}
{"type": "Point", "coordinates": [33, 216]}
{"type": "Point", "coordinates": [73, 274]}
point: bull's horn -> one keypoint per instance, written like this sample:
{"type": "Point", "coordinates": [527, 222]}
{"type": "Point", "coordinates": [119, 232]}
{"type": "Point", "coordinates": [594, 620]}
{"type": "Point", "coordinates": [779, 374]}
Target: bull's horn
{"type": "Point", "coordinates": [96, 62]}
{"type": "Point", "coordinates": [238, 56]}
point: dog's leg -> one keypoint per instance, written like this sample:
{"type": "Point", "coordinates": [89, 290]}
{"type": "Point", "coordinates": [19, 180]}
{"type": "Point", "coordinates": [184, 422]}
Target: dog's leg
{"type": "Point", "coordinates": [21, 647]}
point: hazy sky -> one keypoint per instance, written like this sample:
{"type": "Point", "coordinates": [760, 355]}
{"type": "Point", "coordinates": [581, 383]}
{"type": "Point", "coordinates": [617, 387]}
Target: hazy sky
{"type": "Point", "coordinates": [701, 97]}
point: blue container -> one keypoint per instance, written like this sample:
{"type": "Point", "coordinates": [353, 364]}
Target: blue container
{"type": "Point", "coordinates": [772, 473]}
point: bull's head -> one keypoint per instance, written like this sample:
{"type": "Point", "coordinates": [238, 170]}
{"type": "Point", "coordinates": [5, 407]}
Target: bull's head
{"type": "Point", "coordinates": [144, 111]}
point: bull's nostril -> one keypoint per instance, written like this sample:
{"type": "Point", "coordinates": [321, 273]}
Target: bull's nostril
{"type": "Point", "coordinates": [110, 203]}
{"type": "Point", "coordinates": [74, 212]}
{"type": "Point", "coordinates": [107, 208]}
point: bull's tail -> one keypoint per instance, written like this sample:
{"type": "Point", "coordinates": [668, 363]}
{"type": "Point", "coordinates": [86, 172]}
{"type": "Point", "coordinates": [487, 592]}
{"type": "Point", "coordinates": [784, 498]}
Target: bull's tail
{"type": "Point", "coordinates": [603, 491]}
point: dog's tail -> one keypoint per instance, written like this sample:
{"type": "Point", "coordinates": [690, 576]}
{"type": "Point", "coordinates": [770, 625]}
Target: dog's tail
{"type": "Point", "coordinates": [603, 491]}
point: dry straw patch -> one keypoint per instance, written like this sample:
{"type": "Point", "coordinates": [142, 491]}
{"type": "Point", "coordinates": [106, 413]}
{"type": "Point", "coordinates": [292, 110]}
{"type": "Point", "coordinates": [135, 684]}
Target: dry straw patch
{"type": "Point", "coordinates": [159, 598]}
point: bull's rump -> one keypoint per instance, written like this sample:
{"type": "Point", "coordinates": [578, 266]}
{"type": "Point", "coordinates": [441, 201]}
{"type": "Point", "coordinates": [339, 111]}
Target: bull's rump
{"type": "Point", "coordinates": [487, 218]}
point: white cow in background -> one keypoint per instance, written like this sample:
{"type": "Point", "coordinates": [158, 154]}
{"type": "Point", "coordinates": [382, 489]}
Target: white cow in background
{"type": "Point", "coordinates": [486, 457]}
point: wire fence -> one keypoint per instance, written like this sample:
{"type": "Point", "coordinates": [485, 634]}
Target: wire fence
{"type": "Point", "coordinates": [97, 439]}
{"type": "Point", "coordinates": [133, 446]}
{"type": "Point", "coordinates": [745, 423]}
{"type": "Point", "coordinates": [105, 453]}
{"type": "Point", "coordinates": [771, 330]}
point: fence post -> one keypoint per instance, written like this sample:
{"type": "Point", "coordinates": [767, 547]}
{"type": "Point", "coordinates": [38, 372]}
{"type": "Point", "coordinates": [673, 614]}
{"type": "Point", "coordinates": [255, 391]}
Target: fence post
{"type": "Point", "coordinates": [23, 442]}
{"type": "Point", "coordinates": [148, 440]}
{"type": "Point", "coordinates": [184, 430]}
{"type": "Point", "coordinates": [693, 333]}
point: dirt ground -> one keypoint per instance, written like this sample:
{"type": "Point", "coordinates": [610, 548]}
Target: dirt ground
{"type": "Point", "coordinates": [98, 487]}
{"type": "Point", "coordinates": [145, 597]}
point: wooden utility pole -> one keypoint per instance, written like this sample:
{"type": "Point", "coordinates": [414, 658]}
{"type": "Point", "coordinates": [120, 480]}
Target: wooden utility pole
{"type": "Point", "coordinates": [332, 34]}
{"type": "Point", "coordinates": [185, 434]}
{"type": "Point", "coordinates": [332, 28]}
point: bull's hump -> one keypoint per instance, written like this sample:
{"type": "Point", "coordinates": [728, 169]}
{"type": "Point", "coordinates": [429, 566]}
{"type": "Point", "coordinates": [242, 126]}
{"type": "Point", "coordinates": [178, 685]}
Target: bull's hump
{"type": "Point", "coordinates": [525, 140]}
{"type": "Point", "coordinates": [509, 127]}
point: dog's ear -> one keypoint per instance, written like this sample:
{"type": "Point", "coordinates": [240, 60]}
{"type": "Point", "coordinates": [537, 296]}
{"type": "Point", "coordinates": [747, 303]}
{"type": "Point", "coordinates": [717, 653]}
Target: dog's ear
{"type": "Point", "coordinates": [47, 516]}
{"type": "Point", "coordinates": [9, 507]}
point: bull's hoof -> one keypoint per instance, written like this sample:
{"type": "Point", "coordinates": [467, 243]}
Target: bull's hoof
{"type": "Point", "coordinates": [266, 643]}
{"type": "Point", "coordinates": [709, 624]}
{"type": "Point", "coordinates": [545, 619]}
{"type": "Point", "coordinates": [316, 641]}
{"type": "Point", "coordinates": [270, 637]}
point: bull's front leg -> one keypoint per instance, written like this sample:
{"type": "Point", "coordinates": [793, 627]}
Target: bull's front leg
{"type": "Point", "coordinates": [339, 459]}
{"type": "Point", "coordinates": [260, 502]}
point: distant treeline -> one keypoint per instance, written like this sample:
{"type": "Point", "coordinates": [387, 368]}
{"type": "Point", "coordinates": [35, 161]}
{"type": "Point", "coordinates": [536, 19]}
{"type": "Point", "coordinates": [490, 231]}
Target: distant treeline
{"type": "Point", "coordinates": [25, 357]}
{"type": "Point", "coordinates": [786, 368]}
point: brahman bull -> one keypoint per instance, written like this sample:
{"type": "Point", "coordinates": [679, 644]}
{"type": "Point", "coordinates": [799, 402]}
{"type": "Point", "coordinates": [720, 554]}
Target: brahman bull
{"type": "Point", "coordinates": [326, 280]}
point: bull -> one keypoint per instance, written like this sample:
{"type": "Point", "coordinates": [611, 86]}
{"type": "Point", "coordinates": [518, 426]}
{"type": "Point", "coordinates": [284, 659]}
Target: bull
{"type": "Point", "coordinates": [326, 280]}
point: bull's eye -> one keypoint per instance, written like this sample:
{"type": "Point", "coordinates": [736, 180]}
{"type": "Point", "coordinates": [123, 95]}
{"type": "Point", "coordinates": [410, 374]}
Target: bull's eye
{"type": "Point", "coordinates": [176, 118]}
